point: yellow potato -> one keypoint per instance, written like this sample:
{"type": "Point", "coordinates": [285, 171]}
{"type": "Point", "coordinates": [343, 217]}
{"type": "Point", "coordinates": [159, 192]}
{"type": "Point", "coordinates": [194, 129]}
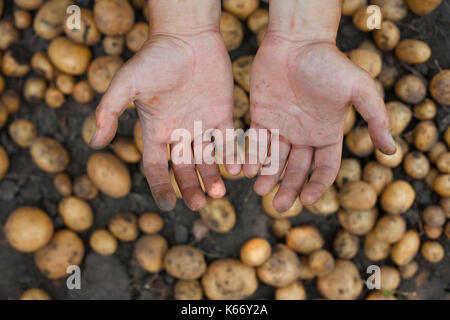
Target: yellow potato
{"type": "Point", "coordinates": [76, 213]}
{"type": "Point", "coordinates": [48, 22]}
{"type": "Point", "coordinates": [68, 56]}
{"type": "Point", "coordinates": [304, 239]}
{"type": "Point", "coordinates": [422, 7]}
{"type": "Point", "coordinates": [416, 165]}
{"type": "Point", "coordinates": [387, 37]}
{"type": "Point", "coordinates": [399, 116]}
{"type": "Point", "coordinates": [398, 197]}
{"type": "Point", "coordinates": [358, 222]}
{"type": "Point", "coordinates": [150, 250]}
{"type": "Point", "coordinates": [126, 150]}
{"type": "Point", "coordinates": [343, 283]}
{"type": "Point", "coordinates": [49, 155]}
{"type": "Point", "coordinates": [219, 215]}
{"type": "Point", "coordinates": [185, 262]}
{"type": "Point", "coordinates": [374, 248]}
{"type": "Point", "coordinates": [367, 60]}
{"type": "Point", "coordinates": [357, 195]}
{"type": "Point", "coordinates": [405, 250]}
{"type": "Point", "coordinates": [255, 252]}
{"type": "Point", "coordinates": [267, 204]}
{"type": "Point", "coordinates": [124, 226]}
{"type": "Point", "coordinates": [87, 33]}
{"type": "Point", "coordinates": [410, 89]}
{"type": "Point", "coordinates": [440, 87]}
{"type": "Point", "coordinates": [35, 294]}
{"type": "Point", "coordinates": [101, 72]}
{"type": "Point", "coordinates": [413, 51]}
{"type": "Point", "coordinates": [231, 30]}
{"type": "Point", "coordinates": [188, 290]}
{"type": "Point", "coordinates": [22, 132]}
{"type": "Point", "coordinates": [241, 8]}
{"type": "Point", "coordinates": [242, 67]}
{"type": "Point", "coordinates": [377, 175]}
{"type": "Point", "coordinates": [114, 17]}
{"type": "Point", "coordinates": [349, 7]}
{"type": "Point", "coordinates": [294, 291]}
{"type": "Point", "coordinates": [103, 242]}
{"type": "Point", "coordinates": [359, 143]}
{"type": "Point", "coordinates": [393, 10]}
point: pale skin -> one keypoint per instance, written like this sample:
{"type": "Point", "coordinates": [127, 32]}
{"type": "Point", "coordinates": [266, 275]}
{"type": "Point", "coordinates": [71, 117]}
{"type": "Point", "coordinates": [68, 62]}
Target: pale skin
{"type": "Point", "coordinates": [300, 84]}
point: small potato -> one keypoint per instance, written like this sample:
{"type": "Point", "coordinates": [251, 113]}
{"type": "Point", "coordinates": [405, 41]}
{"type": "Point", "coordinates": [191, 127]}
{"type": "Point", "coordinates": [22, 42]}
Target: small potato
{"type": "Point", "coordinates": [63, 184]}
{"type": "Point", "coordinates": [422, 7]}
{"type": "Point", "coordinates": [11, 100]}
{"type": "Point", "coordinates": [408, 270]}
{"type": "Point", "coordinates": [350, 170]}
{"type": "Point", "coordinates": [425, 110]}
{"type": "Point", "coordinates": [4, 162]}
{"type": "Point", "coordinates": [281, 269]}
{"type": "Point", "coordinates": [49, 155]}
{"type": "Point", "coordinates": [29, 4]}
{"type": "Point", "coordinates": [350, 120]}
{"type": "Point", "coordinates": [410, 89]}
{"type": "Point", "coordinates": [398, 197]}
{"type": "Point", "coordinates": [304, 239]}
{"type": "Point", "coordinates": [443, 162]}
{"type": "Point", "coordinates": [113, 45]}
{"type": "Point", "coordinates": [65, 249]}
{"type": "Point", "coordinates": [343, 283]}
{"type": "Point", "coordinates": [150, 223]}
{"type": "Point", "coordinates": [357, 195]}
{"type": "Point", "coordinates": [436, 151]}
{"type": "Point", "coordinates": [42, 65]}
{"type": "Point", "coordinates": [69, 57]}
{"type": "Point", "coordinates": [187, 290]}
{"type": "Point", "coordinates": [345, 245]}
{"type": "Point", "coordinates": [9, 34]}
{"type": "Point", "coordinates": [434, 216]}
{"type": "Point", "coordinates": [22, 132]}
{"type": "Point", "coordinates": [103, 242]}
{"type": "Point", "coordinates": [15, 62]}
{"type": "Point", "coordinates": [391, 161]}
{"type": "Point", "coordinates": [432, 232]}
{"type": "Point", "coordinates": [54, 98]}
{"type": "Point", "coordinates": [294, 291]}
{"type": "Point", "coordinates": [390, 228]}
{"type": "Point", "coordinates": [255, 252]}
{"type": "Point", "coordinates": [358, 222]}
{"type": "Point", "coordinates": [84, 188]}
{"type": "Point", "coordinates": [447, 230]}
{"type": "Point", "coordinates": [362, 18]}
{"type": "Point", "coordinates": [393, 10]}
{"type": "Point", "coordinates": [241, 103]}
{"type": "Point", "coordinates": [374, 248]}
{"type": "Point", "coordinates": [28, 229]}
{"type": "Point", "coordinates": [242, 67]}
{"type": "Point", "coordinates": [35, 294]}
{"type": "Point", "coordinates": [22, 19]}
{"type": "Point", "coordinates": [380, 295]}
{"type": "Point", "coordinates": [327, 204]}
{"type": "Point", "coordinates": [413, 51]}
{"type": "Point", "coordinates": [48, 22]}
{"type": "Point", "coordinates": [321, 262]}
{"type": "Point", "coordinates": [101, 72]}
{"type": "Point", "coordinates": [388, 76]}
{"type": "Point", "coordinates": [109, 174]}
{"type": "Point", "coordinates": [83, 92]}
{"type": "Point", "coordinates": [3, 114]}
{"type": "Point", "coordinates": [150, 250]}
{"type": "Point", "coordinates": [114, 17]}
{"type": "Point", "coordinates": [406, 249]}
{"type": "Point", "coordinates": [219, 215]}
{"type": "Point", "coordinates": [87, 33]}
{"type": "Point", "coordinates": [431, 177]}
{"type": "Point", "coordinates": [88, 128]}
{"type": "Point", "coordinates": [231, 30]}
{"type": "Point", "coordinates": [136, 37]}
{"type": "Point", "coordinates": [416, 165]}
{"type": "Point", "coordinates": [185, 262]}
{"type": "Point", "coordinates": [387, 37]}
{"type": "Point", "coordinates": [280, 227]}
{"type": "Point", "coordinates": [65, 83]}
{"type": "Point", "coordinates": [305, 273]}
{"type": "Point", "coordinates": [425, 135]}
{"type": "Point", "coordinates": [267, 204]}
{"type": "Point", "coordinates": [349, 7]}
{"type": "Point", "coordinates": [34, 90]}
{"type": "Point", "coordinates": [126, 150]}
{"type": "Point", "coordinates": [241, 8]}
{"type": "Point", "coordinates": [124, 226]}
{"type": "Point", "coordinates": [432, 251]}
{"type": "Point", "coordinates": [447, 136]}
{"type": "Point", "coordinates": [439, 87]}
{"type": "Point", "coordinates": [359, 143]}
{"type": "Point", "coordinates": [445, 205]}
{"type": "Point", "coordinates": [377, 175]}
{"type": "Point", "coordinates": [442, 185]}
{"type": "Point", "coordinates": [367, 60]}
{"type": "Point", "coordinates": [390, 278]}
{"type": "Point", "coordinates": [258, 20]}
{"type": "Point", "coordinates": [399, 116]}
{"type": "Point", "coordinates": [76, 213]}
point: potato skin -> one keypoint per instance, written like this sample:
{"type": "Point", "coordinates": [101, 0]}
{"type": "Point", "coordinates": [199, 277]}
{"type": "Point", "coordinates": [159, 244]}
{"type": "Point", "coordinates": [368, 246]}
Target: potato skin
{"type": "Point", "coordinates": [29, 4]}
{"type": "Point", "coordinates": [126, 150]}
{"type": "Point", "coordinates": [432, 251]}
{"type": "Point", "coordinates": [361, 18]}
{"type": "Point", "coordinates": [442, 185]}
{"type": "Point", "coordinates": [367, 60]}
{"type": "Point", "coordinates": [88, 34]}
{"type": "Point", "coordinates": [150, 222]}
{"type": "Point", "coordinates": [241, 71]}
{"type": "Point", "coordinates": [343, 283]}
{"type": "Point", "coordinates": [398, 197]}
{"type": "Point", "coordinates": [76, 213]}
{"type": "Point", "coordinates": [109, 174]}
{"type": "Point", "coordinates": [49, 155]}
{"type": "Point", "coordinates": [68, 56]}
{"type": "Point", "coordinates": [124, 226]}
{"type": "Point", "coordinates": [258, 20]}
{"type": "Point", "coordinates": [255, 252]}
{"type": "Point", "coordinates": [410, 89]}
{"type": "Point", "coordinates": [393, 10]}
{"type": "Point", "coordinates": [399, 116]}
{"type": "Point", "coordinates": [63, 184]}
{"type": "Point", "coordinates": [374, 248]}
{"type": "Point", "coordinates": [4, 162]}
{"type": "Point", "coordinates": [103, 242]}
{"type": "Point", "coordinates": [413, 51]}
{"type": "Point", "coordinates": [231, 30]}
{"type": "Point", "coordinates": [358, 222]}
{"type": "Point", "coordinates": [387, 37]}
{"type": "Point", "coordinates": [35, 294]}
{"type": "Point", "coordinates": [188, 290]}
{"type": "Point", "coordinates": [345, 245]}
{"type": "Point", "coordinates": [327, 204]}
{"type": "Point", "coordinates": [349, 7]}
{"type": "Point", "coordinates": [294, 291]}
{"type": "Point", "coordinates": [185, 262]}
{"type": "Point", "coordinates": [113, 17]}
{"type": "Point", "coordinates": [390, 278]}
{"type": "Point", "coordinates": [219, 215]}
{"type": "Point", "coordinates": [304, 239]}
{"type": "Point", "coordinates": [390, 228]}
{"type": "Point", "coordinates": [48, 23]}
{"type": "Point", "coordinates": [358, 142]}
{"type": "Point", "coordinates": [137, 36]}
{"type": "Point", "coordinates": [405, 250]}
{"type": "Point", "coordinates": [321, 262]}
{"type": "Point", "coordinates": [101, 72]}
{"type": "Point", "coordinates": [422, 7]}
{"type": "Point", "coordinates": [22, 132]}
{"type": "Point", "coordinates": [350, 170]}
{"type": "Point", "coordinates": [267, 204]}
{"type": "Point", "coordinates": [378, 176]}
{"type": "Point", "coordinates": [416, 165]}
{"type": "Point", "coordinates": [357, 195]}
{"type": "Point", "coordinates": [241, 8]}
{"type": "Point", "coordinates": [425, 135]}
{"type": "Point", "coordinates": [439, 87]}
{"type": "Point", "coordinates": [150, 250]}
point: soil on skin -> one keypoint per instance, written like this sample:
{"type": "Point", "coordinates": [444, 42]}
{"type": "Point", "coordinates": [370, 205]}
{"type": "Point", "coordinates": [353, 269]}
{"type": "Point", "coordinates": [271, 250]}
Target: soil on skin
{"type": "Point", "coordinates": [119, 276]}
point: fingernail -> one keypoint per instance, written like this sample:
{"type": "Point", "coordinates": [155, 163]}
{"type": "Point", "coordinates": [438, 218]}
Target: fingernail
{"type": "Point", "coordinates": [166, 202]}
{"type": "Point", "coordinates": [93, 137]}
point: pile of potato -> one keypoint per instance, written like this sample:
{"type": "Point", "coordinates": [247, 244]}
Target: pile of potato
{"type": "Point", "coordinates": [367, 199]}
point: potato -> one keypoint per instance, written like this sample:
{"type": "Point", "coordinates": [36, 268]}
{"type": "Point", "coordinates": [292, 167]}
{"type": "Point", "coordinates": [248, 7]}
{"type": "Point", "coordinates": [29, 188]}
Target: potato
{"type": "Point", "coordinates": [63, 184]}
{"type": "Point", "coordinates": [413, 51]}
{"type": "Point", "coordinates": [229, 279]}
{"type": "Point", "coordinates": [15, 62]}
{"type": "Point", "coordinates": [124, 226]}
{"type": "Point", "coordinates": [380, 295]}
{"type": "Point", "coordinates": [219, 215]}
{"type": "Point", "coordinates": [349, 7]}
{"type": "Point", "coordinates": [294, 291]}
{"type": "Point", "coordinates": [405, 250]}
{"type": "Point", "coordinates": [187, 290]}
{"type": "Point", "coordinates": [103, 242]}
{"type": "Point", "coordinates": [425, 135]}
{"type": "Point", "coordinates": [28, 229]}
{"type": "Point", "coordinates": [54, 98]}
{"type": "Point", "coordinates": [126, 150]}
{"type": "Point", "coordinates": [390, 278]}
{"type": "Point", "coordinates": [388, 76]}
{"type": "Point", "coordinates": [281, 269]}
{"type": "Point", "coordinates": [109, 174]}
{"type": "Point", "coordinates": [393, 10]}
{"type": "Point", "coordinates": [150, 223]}
{"type": "Point", "coordinates": [399, 116]}
{"type": "Point", "coordinates": [9, 34]}
{"type": "Point", "coordinates": [343, 283]}
{"type": "Point", "coordinates": [350, 120]}
{"type": "Point", "coordinates": [359, 143]}
{"type": "Point", "coordinates": [432, 232]}
{"type": "Point", "coordinates": [398, 197]}
{"type": "Point", "coordinates": [445, 205]}
{"type": "Point", "coordinates": [113, 17]}
{"type": "Point", "coordinates": [102, 70]}
{"type": "Point", "coordinates": [447, 136]}
{"type": "Point", "coordinates": [242, 67]}
{"type": "Point", "coordinates": [422, 7]}
{"type": "Point", "coordinates": [34, 89]}
{"type": "Point", "coordinates": [65, 83]}
{"type": "Point", "coordinates": [88, 128]}
{"type": "Point", "coordinates": [49, 20]}
{"type": "Point", "coordinates": [377, 175]}
{"type": "Point", "coordinates": [305, 273]}
{"type": "Point", "coordinates": [3, 114]}
{"type": "Point", "coordinates": [136, 37]}
{"type": "Point", "coordinates": [447, 230]}
{"type": "Point", "coordinates": [416, 165]}
{"type": "Point", "coordinates": [362, 17]}
{"type": "Point", "coordinates": [258, 20]}
{"type": "Point", "coordinates": [425, 110]}
{"type": "Point", "coordinates": [35, 294]}
{"type": "Point", "coordinates": [241, 8]}
{"type": "Point", "coordinates": [11, 100]}
{"type": "Point", "coordinates": [64, 249]}
{"type": "Point", "coordinates": [367, 60]}
{"type": "Point", "coordinates": [22, 19]}
{"type": "Point", "coordinates": [439, 87]}
{"type": "Point", "coordinates": [357, 195]}
{"type": "Point", "coordinates": [41, 64]}
{"type": "Point", "coordinates": [76, 213]}
{"type": "Point", "coordinates": [83, 92]}
{"type": "Point", "coordinates": [350, 170]}
{"type": "Point", "coordinates": [391, 161]}
{"type": "Point", "coordinates": [321, 262]}
{"type": "Point", "coordinates": [410, 89]}
{"type": "Point", "coordinates": [345, 245]}
{"type": "Point", "coordinates": [185, 262]}
{"type": "Point", "coordinates": [374, 248]}
{"type": "Point", "coordinates": [280, 227]}
{"type": "Point", "coordinates": [431, 177]}
{"type": "Point", "coordinates": [113, 45]}
{"type": "Point", "coordinates": [267, 204]}
{"type": "Point", "coordinates": [436, 151]}
{"type": "Point", "coordinates": [408, 270]}
{"type": "Point", "coordinates": [84, 188]}
{"type": "Point", "coordinates": [358, 222]}
{"type": "Point", "coordinates": [22, 132]}
{"type": "Point", "coordinates": [150, 250]}
{"type": "Point", "coordinates": [49, 155]}
{"type": "Point", "coordinates": [434, 216]}
{"type": "Point", "coordinates": [241, 103]}
{"type": "Point", "coordinates": [442, 185]}
{"type": "Point", "coordinates": [255, 252]}
{"type": "Point", "coordinates": [88, 33]}
{"type": "Point", "coordinates": [432, 251]}
{"type": "Point", "coordinates": [304, 239]}
{"type": "Point", "coordinates": [443, 162]}
{"type": "Point", "coordinates": [69, 57]}
{"type": "Point", "coordinates": [327, 204]}
{"type": "Point", "coordinates": [4, 162]}
{"type": "Point", "coordinates": [390, 228]}
{"type": "Point", "coordinates": [28, 4]}
{"type": "Point", "coordinates": [387, 37]}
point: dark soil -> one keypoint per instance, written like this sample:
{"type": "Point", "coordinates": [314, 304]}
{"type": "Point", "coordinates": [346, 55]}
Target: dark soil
{"type": "Point", "coordinates": [119, 276]}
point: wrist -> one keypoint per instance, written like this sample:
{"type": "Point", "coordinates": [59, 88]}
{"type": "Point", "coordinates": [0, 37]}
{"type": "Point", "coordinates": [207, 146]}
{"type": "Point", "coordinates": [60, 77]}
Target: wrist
{"type": "Point", "coordinates": [184, 17]}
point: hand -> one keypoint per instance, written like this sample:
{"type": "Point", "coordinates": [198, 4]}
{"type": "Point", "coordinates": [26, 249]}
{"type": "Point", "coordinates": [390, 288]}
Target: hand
{"type": "Point", "coordinates": [173, 80]}
{"type": "Point", "coordinates": [305, 89]}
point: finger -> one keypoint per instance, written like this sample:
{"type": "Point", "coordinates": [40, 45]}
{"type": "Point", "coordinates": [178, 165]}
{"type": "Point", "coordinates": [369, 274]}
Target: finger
{"type": "Point", "coordinates": [326, 166]}
{"type": "Point", "coordinates": [211, 175]}
{"type": "Point", "coordinates": [265, 183]}
{"type": "Point", "coordinates": [188, 183]}
{"type": "Point", "coordinates": [371, 106]}
{"type": "Point", "coordinates": [229, 150]}
{"type": "Point", "coordinates": [254, 151]}
{"type": "Point", "coordinates": [297, 170]}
